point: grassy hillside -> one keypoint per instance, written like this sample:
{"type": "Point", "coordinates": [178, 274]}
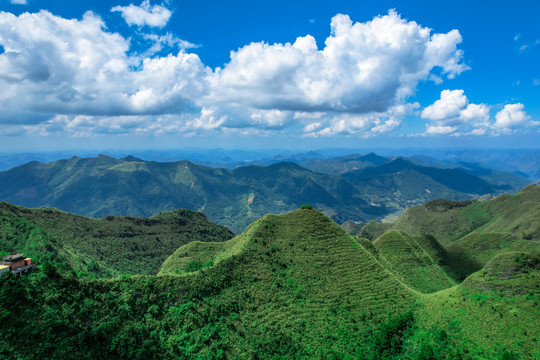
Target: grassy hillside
{"type": "Point", "coordinates": [495, 309]}
{"type": "Point", "coordinates": [516, 215]}
{"type": "Point", "coordinates": [475, 250]}
{"type": "Point", "coordinates": [417, 260]}
{"type": "Point", "coordinates": [292, 286]}
{"type": "Point", "coordinates": [105, 247]}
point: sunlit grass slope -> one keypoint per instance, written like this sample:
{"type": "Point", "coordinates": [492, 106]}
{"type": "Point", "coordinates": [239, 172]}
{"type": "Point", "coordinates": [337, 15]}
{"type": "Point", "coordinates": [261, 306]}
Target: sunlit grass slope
{"type": "Point", "coordinates": [302, 250]}
{"type": "Point", "coordinates": [472, 252]}
{"type": "Point", "coordinates": [305, 279]}
{"type": "Point", "coordinates": [417, 260]}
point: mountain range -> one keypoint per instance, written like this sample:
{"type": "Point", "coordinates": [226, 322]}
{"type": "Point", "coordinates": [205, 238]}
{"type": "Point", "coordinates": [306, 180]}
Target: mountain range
{"type": "Point", "coordinates": [290, 286]}
{"type": "Point", "coordinates": [129, 186]}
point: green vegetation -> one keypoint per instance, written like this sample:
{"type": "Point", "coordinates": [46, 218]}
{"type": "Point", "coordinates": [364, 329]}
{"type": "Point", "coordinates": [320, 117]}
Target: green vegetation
{"type": "Point", "coordinates": [495, 309]}
{"type": "Point", "coordinates": [513, 215]}
{"type": "Point", "coordinates": [107, 247]}
{"type": "Point", "coordinates": [293, 286]}
{"type": "Point", "coordinates": [101, 186]}
{"type": "Point", "coordinates": [417, 260]}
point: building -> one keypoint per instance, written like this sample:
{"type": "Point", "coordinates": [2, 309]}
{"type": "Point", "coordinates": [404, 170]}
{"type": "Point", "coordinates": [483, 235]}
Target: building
{"type": "Point", "coordinates": [3, 269]}
{"type": "Point", "coordinates": [16, 263]}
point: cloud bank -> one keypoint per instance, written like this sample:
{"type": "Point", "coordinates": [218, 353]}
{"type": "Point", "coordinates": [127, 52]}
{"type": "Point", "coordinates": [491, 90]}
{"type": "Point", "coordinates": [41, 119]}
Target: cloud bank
{"type": "Point", "coordinates": [75, 76]}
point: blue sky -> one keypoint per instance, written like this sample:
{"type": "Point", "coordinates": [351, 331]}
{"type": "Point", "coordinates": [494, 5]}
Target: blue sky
{"type": "Point", "coordinates": [281, 74]}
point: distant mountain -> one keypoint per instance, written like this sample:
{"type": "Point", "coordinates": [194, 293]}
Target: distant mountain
{"type": "Point", "coordinates": [504, 180]}
{"type": "Point", "coordinates": [454, 179]}
{"type": "Point", "coordinates": [358, 164]}
{"type": "Point", "coordinates": [101, 186]}
{"type": "Point", "coordinates": [344, 164]}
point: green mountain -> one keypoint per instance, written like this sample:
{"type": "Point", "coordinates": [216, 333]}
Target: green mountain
{"type": "Point", "coordinates": [452, 178]}
{"type": "Point", "coordinates": [292, 286]}
{"type": "Point", "coordinates": [110, 246]}
{"type": "Point", "coordinates": [495, 308]}
{"type": "Point", "coordinates": [419, 261]}
{"type": "Point", "coordinates": [514, 215]}
{"type": "Point", "coordinates": [344, 164]}
{"type": "Point", "coordinates": [450, 174]}
{"type": "Point", "coordinates": [101, 186]}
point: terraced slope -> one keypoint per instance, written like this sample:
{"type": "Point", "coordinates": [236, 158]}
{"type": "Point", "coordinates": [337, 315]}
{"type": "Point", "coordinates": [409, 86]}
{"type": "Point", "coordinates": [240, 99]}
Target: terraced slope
{"type": "Point", "coordinates": [416, 260]}
{"type": "Point", "coordinates": [495, 310]}
{"type": "Point", "coordinates": [292, 286]}
{"type": "Point", "coordinates": [302, 249]}
{"type": "Point", "coordinates": [104, 247]}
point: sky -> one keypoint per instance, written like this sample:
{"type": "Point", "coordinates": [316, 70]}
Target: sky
{"type": "Point", "coordinates": [281, 74]}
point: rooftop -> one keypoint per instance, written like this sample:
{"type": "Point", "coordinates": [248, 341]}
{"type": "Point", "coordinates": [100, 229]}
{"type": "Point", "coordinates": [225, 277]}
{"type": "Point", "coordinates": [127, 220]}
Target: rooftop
{"type": "Point", "coordinates": [12, 257]}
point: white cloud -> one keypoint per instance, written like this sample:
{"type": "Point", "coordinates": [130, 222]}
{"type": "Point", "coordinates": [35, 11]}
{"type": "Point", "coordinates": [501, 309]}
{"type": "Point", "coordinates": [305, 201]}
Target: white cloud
{"type": "Point", "coordinates": [19, 2]}
{"type": "Point", "coordinates": [453, 113]}
{"type": "Point", "coordinates": [55, 66]}
{"type": "Point", "coordinates": [74, 74]}
{"type": "Point", "coordinates": [366, 125]}
{"type": "Point", "coordinates": [511, 117]}
{"type": "Point", "coordinates": [145, 14]}
{"type": "Point", "coordinates": [363, 68]}
{"type": "Point", "coordinates": [440, 129]}
{"type": "Point", "coordinates": [449, 106]}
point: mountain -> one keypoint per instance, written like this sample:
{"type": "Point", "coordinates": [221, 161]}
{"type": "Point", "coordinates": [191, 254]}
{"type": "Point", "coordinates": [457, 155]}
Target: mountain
{"type": "Point", "coordinates": [101, 186]}
{"type": "Point", "coordinates": [419, 261]}
{"type": "Point", "coordinates": [500, 179]}
{"type": "Point", "coordinates": [344, 164]}
{"type": "Point", "coordinates": [516, 215]}
{"type": "Point", "coordinates": [105, 247]}
{"type": "Point", "coordinates": [291, 286]}
{"type": "Point", "coordinates": [104, 185]}
{"type": "Point", "coordinates": [452, 178]}
{"type": "Point", "coordinates": [494, 308]}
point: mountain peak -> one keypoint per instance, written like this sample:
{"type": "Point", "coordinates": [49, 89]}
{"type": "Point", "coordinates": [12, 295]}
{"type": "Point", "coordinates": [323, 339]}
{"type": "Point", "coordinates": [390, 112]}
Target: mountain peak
{"type": "Point", "coordinates": [374, 159]}
{"type": "Point", "coordinates": [131, 158]}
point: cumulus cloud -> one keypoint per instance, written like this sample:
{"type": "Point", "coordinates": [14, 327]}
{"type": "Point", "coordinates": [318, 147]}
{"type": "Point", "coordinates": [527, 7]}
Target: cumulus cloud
{"type": "Point", "coordinates": [512, 117]}
{"type": "Point", "coordinates": [363, 68]}
{"type": "Point", "coordinates": [19, 2]}
{"type": "Point", "coordinates": [74, 74]}
{"type": "Point", "coordinates": [366, 125]}
{"type": "Point", "coordinates": [145, 14]}
{"type": "Point", "coordinates": [452, 114]}
{"type": "Point", "coordinates": [55, 66]}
